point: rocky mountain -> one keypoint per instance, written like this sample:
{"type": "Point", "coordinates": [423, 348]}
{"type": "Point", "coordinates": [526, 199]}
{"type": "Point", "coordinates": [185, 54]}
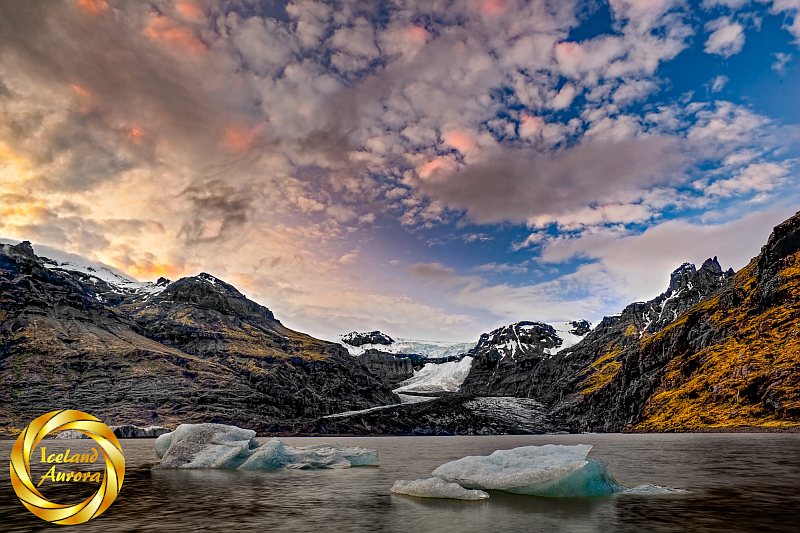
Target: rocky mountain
{"type": "Point", "coordinates": [391, 368]}
{"type": "Point", "coordinates": [504, 357]}
{"type": "Point", "coordinates": [193, 350]}
{"type": "Point", "coordinates": [717, 349]}
{"type": "Point", "coordinates": [357, 339]}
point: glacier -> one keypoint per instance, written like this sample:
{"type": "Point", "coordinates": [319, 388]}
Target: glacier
{"type": "Point", "coordinates": [427, 348]}
{"type": "Point", "coordinates": [220, 446]}
{"type": "Point", "coordinates": [436, 488]}
{"type": "Point", "coordinates": [437, 377]}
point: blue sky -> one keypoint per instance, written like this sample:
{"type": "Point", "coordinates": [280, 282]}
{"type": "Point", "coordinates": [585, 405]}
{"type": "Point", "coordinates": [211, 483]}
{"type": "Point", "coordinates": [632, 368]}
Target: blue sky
{"type": "Point", "coordinates": [431, 169]}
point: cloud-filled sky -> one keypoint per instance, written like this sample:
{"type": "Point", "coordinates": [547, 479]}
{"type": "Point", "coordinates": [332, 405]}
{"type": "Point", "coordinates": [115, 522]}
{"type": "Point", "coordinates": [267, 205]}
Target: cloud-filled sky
{"type": "Point", "coordinates": [431, 169]}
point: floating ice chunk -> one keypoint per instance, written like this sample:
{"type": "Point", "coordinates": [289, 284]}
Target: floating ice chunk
{"type": "Point", "coordinates": [650, 489]}
{"type": "Point", "coordinates": [205, 446]}
{"type": "Point", "coordinates": [275, 454]}
{"type": "Point", "coordinates": [550, 470]}
{"type": "Point", "coordinates": [221, 446]}
{"type": "Point", "coordinates": [436, 488]}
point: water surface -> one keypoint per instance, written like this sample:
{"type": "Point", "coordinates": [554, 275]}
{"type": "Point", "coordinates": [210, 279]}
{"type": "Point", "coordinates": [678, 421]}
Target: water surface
{"type": "Point", "coordinates": [737, 482]}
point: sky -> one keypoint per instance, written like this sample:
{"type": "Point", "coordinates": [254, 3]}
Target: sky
{"type": "Point", "coordinates": [430, 169]}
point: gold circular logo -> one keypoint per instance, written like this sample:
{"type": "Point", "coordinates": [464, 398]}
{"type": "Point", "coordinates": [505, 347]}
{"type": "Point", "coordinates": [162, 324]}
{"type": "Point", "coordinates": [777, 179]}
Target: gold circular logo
{"type": "Point", "coordinates": [29, 494]}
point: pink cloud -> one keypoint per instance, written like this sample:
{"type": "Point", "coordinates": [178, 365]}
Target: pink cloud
{"type": "Point", "coordinates": [93, 7]}
{"type": "Point", "coordinates": [189, 10]}
{"type": "Point", "coordinates": [461, 140]}
{"type": "Point", "coordinates": [166, 31]}
{"type": "Point", "coordinates": [435, 167]}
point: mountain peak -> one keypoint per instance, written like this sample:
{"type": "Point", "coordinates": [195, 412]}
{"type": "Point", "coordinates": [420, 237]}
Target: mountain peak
{"type": "Point", "coordinates": [783, 242]}
{"type": "Point", "coordinates": [520, 338]}
{"type": "Point", "coordinates": [24, 248]}
{"type": "Point", "coordinates": [712, 265]}
{"type": "Point", "coordinates": [354, 338]}
{"type": "Point", "coordinates": [680, 275]}
{"type": "Point", "coordinates": [580, 327]}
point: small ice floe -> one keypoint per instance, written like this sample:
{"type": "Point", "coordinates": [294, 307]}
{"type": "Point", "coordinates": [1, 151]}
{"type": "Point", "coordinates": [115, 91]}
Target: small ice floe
{"type": "Point", "coordinates": [221, 446]}
{"type": "Point", "coordinates": [435, 487]}
{"type": "Point", "coordinates": [650, 489]}
{"type": "Point", "coordinates": [552, 471]}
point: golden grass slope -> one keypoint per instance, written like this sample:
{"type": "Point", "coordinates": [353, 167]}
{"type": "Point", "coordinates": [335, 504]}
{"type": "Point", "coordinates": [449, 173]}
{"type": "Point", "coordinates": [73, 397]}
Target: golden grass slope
{"type": "Point", "coordinates": [751, 378]}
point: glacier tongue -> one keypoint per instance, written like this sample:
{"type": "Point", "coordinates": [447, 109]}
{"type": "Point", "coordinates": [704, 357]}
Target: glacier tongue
{"type": "Point", "coordinates": [437, 377]}
{"type": "Point", "coordinates": [221, 446]}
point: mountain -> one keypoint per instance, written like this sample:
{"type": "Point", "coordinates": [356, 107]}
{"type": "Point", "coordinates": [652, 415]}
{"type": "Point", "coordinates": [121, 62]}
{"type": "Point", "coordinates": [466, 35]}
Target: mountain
{"type": "Point", "coordinates": [717, 349]}
{"type": "Point", "coordinates": [85, 337]}
{"type": "Point", "coordinates": [504, 357]}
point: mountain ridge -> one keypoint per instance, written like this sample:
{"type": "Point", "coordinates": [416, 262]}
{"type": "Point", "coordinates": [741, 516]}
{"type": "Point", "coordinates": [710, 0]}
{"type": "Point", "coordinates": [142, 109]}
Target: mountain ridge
{"type": "Point", "coordinates": [193, 350]}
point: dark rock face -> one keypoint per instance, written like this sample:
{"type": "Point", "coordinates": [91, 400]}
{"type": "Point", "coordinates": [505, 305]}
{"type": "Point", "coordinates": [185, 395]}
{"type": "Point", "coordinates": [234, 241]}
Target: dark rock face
{"type": "Point", "coordinates": [580, 327]}
{"type": "Point", "coordinates": [448, 415]}
{"type": "Point", "coordinates": [373, 337]}
{"type": "Point", "coordinates": [391, 368]}
{"type": "Point", "coordinates": [195, 350]}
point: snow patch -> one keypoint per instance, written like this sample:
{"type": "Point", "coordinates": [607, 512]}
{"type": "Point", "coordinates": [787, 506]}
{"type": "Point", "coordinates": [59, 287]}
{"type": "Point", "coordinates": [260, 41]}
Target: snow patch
{"type": "Point", "coordinates": [568, 339]}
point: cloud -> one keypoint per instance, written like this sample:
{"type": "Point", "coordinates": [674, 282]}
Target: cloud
{"type": "Point", "coordinates": [756, 177]}
{"type": "Point", "coordinates": [726, 39]}
{"type": "Point", "coordinates": [501, 268]}
{"type": "Point", "coordinates": [350, 257]}
{"type": "Point", "coordinates": [524, 186]}
{"type": "Point", "coordinates": [432, 271]}
{"type": "Point", "coordinates": [781, 60]}
{"type": "Point", "coordinates": [791, 8]}
{"type": "Point", "coordinates": [718, 83]}
{"type": "Point", "coordinates": [639, 264]}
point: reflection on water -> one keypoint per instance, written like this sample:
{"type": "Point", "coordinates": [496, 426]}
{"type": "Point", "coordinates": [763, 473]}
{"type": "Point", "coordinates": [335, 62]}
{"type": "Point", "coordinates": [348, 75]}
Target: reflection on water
{"type": "Point", "coordinates": [738, 482]}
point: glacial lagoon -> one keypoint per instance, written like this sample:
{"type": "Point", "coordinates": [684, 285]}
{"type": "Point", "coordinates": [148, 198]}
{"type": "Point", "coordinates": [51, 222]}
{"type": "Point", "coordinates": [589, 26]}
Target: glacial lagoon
{"type": "Point", "coordinates": [732, 482]}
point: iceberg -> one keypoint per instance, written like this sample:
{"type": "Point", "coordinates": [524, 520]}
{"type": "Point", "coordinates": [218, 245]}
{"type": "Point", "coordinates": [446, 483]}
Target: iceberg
{"type": "Point", "coordinates": [436, 488]}
{"type": "Point", "coordinates": [555, 471]}
{"type": "Point", "coordinates": [221, 446]}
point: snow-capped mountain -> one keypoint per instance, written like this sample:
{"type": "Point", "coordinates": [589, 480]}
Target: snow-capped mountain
{"type": "Point", "coordinates": [358, 343]}
{"type": "Point", "coordinates": [527, 338]}
{"type": "Point", "coordinates": [97, 275]}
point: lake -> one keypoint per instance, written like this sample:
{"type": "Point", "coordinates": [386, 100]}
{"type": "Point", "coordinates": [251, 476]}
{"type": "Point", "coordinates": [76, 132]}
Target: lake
{"type": "Point", "coordinates": [736, 482]}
